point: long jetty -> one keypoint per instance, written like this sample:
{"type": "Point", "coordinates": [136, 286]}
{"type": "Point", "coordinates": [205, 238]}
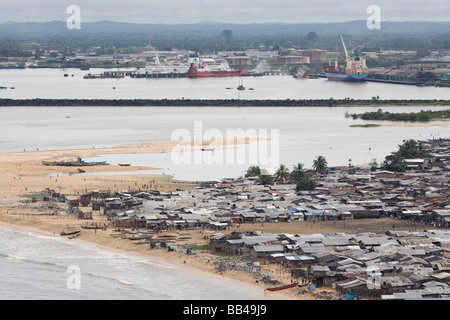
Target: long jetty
{"type": "Point", "coordinates": [37, 102]}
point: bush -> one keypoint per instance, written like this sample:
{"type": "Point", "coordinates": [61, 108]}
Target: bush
{"type": "Point", "coordinates": [306, 184]}
{"type": "Point", "coordinates": [265, 179]}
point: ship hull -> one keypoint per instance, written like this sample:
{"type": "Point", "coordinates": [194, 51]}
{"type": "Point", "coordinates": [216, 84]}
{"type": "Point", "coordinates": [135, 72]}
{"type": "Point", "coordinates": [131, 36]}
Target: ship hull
{"type": "Point", "coordinates": [346, 77]}
{"type": "Point", "coordinates": [194, 73]}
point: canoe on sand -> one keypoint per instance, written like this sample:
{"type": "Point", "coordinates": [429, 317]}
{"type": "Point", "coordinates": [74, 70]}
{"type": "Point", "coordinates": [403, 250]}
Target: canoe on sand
{"type": "Point", "coordinates": [283, 287]}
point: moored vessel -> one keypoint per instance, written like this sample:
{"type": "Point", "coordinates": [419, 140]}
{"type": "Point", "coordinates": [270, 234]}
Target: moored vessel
{"type": "Point", "coordinates": [193, 72]}
{"type": "Point", "coordinates": [355, 69]}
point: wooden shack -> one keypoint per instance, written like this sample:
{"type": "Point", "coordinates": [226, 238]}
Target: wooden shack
{"type": "Point", "coordinates": [85, 199]}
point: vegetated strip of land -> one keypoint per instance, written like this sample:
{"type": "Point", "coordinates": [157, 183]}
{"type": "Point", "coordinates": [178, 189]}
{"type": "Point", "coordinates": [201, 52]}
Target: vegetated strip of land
{"type": "Point", "coordinates": [216, 102]}
{"type": "Point", "coordinates": [423, 115]}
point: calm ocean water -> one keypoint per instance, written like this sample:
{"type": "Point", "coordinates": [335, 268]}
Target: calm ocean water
{"type": "Point", "coordinates": [34, 266]}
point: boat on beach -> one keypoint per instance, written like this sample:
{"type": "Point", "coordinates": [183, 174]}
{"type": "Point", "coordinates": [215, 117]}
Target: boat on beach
{"type": "Point", "coordinates": [141, 242]}
{"type": "Point", "coordinates": [69, 233]}
{"type": "Point", "coordinates": [92, 227]}
{"type": "Point", "coordinates": [75, 235]}
{"type": "Point", "coordinates": [282, 287]}
{"type": "Point", "coordinates": [77, 163]}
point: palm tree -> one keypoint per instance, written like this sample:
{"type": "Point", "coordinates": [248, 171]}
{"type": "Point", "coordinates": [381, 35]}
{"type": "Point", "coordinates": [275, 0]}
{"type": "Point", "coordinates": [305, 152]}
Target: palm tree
{"type": "Point", "coordinates": [411, 149]}
{"type": "Point", "coordinates": [282, 173]}
{"type": "Point", "coordinates": [297, 173]}
{"type": "Point", "coordinates": [320, 164]}
{"type": "Point", "coordinates": [299, 167]}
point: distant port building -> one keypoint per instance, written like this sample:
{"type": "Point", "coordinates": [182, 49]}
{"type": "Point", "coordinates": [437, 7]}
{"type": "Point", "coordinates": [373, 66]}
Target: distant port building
{"type": "Point", "coordinates": [314, 55]}
{"type": "Point", "coordinates": [292, 60]}
{"type": "Point", "coordinates": [239, 61]}
{"type": "Point", "coordinates": [405, 75]}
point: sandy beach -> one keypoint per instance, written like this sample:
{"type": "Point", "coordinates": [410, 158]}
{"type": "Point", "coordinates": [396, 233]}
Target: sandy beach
{"type": "Point", "coordinates": [22, 174]}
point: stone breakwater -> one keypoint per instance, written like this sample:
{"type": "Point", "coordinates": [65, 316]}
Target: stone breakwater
{"type": "Point", "coordinates": [219, 102]}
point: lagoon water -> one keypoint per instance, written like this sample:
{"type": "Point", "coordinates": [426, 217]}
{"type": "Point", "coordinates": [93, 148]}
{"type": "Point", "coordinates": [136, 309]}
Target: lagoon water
{"type": "Point", "coordinates": [296, 135]}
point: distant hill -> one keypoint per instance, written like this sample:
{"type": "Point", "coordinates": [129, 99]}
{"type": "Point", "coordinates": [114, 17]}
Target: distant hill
{"type": "Point", "coordinates": [109, 27]}
{"type": "Point", "coordinates": [206, 35]}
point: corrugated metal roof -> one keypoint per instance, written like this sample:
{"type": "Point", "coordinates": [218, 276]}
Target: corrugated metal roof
{"type": "Point", "coordinates": [268, 248]}
{"type": "Point", "coordinates": [300, 258]}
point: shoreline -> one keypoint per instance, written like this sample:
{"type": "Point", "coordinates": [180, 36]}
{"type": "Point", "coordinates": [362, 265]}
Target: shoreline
{"type": "Point", "coordinates": [22, 174]}
{"type": "Point", "coordinates": [174, 259]}
{"type": "Point", "coordinates": [22, 205]}
{"type": "Point", "coordinates": [52, 225]}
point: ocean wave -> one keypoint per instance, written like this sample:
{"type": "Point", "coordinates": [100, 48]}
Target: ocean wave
{"type": "Point", "coordinates": [132, 285]}
{"type": "Point", "coordinates": [8, 231]}
{"type": "Point", "coordinates": [30, 260]}
{"type": "Point", "coordinates": [151, 261]}
{"type": "Point", "coordinates": [13, 257]}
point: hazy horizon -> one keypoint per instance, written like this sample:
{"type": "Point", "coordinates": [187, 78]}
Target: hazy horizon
{"type": "Point", "coordinates": [225, 22]}
{"type": "Point", "coordinates": [226, 12]}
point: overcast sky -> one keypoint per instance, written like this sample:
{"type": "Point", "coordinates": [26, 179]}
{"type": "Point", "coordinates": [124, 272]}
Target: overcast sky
{"type": "Point", "coordinates": [233, 11]}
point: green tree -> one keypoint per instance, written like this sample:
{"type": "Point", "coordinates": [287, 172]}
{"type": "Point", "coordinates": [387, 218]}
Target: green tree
{"type": "Point", "coordinates": [373, 165]}
{"type": "Point", "coordinates": [298, 172]}
{"type": "Point", "coordinates": [282, 173]}
{"type": "Point", "coordinates": [306, 184]}
{"type": "Point", "coordinates": [351, 168]}
{"type": "Point", "coordinates": [253, 171]}
{"type": "Point", "coordinates": [265, 179]}
{"type": "Point", "coordinates": [394, 162]}
{"type": "Point", "coordinates": [312, 36]}
{"type": "Point", "coordinates": [320, 164]}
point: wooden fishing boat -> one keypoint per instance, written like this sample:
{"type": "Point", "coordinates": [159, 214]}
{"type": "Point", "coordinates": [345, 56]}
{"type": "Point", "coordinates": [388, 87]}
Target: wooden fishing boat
{"type": "Point", "coordinates": [143, 232]}
{"type": "Point", "coordinates": [81, 171]}
{"type": "Point", "coordinates": [116, 235]}
{"type": "Point", "coordinates": [141, 242]}
{"type": "Point", "coordinates": [87, 164]}
{"type": "Point", "coordinates": [91, 227]}
{"type": "Point", "coordinates": [124, 164]}
{"type": "Point", "coordinates": [76, 235]}
{"type": "Point", "coordinates": [69, 233]}
{"type": "Point", "coordinates": [283, 287]}
{"type": "Point", "coordinates": [77, 163]}
{"type": "Point", "coordinates": [184, 238]}
{"type": "Point", "coordinates": [52, 163]}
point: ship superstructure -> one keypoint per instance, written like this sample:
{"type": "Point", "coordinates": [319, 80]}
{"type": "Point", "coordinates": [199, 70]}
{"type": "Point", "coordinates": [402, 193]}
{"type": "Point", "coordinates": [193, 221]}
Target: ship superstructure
{"type": "Point", "coordinates": [159, 68]}
{"type": "Point", "coordinates": [354, 70]}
